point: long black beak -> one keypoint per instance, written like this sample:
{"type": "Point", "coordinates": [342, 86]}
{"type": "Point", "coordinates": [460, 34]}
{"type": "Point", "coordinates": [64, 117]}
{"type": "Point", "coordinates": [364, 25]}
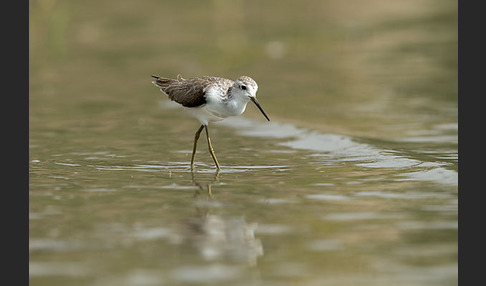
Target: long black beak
{"type": "Point", "coordinates": [259, 107]}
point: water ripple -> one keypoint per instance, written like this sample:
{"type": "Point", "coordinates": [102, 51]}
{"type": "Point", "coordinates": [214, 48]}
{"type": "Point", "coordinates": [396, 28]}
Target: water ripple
{"type": "Point", "coordinates": [345, 149]}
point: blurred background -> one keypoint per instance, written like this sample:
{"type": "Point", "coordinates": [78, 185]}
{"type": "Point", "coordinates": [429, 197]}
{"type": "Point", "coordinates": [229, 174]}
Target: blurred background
{"type": "Point", "coordinates": [377, 69]}
{"type": "Point", "coordinates": [363, 100]}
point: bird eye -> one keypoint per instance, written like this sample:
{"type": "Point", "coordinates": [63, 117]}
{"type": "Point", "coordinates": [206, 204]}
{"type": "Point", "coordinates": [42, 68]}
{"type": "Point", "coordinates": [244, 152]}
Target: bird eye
{"type": "Point", "coordinates": [243, 87]}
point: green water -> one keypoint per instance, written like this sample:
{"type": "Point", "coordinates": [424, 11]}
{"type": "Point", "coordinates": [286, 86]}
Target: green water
{"type": "Point", "coordinates": [353, 182]}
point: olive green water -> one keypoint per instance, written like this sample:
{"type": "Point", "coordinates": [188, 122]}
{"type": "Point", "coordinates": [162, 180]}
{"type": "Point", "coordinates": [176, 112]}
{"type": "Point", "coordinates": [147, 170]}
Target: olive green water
{"type": "Point", "coordinates": [353, 182]}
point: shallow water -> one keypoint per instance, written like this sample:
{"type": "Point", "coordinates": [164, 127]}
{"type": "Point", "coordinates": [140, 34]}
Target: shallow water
{"type": "Point", "coordinates": [353, 182]}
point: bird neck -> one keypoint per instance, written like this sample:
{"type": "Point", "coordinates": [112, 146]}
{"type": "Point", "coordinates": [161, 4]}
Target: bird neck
{"type": "Point", "coordinates": [237, 105]}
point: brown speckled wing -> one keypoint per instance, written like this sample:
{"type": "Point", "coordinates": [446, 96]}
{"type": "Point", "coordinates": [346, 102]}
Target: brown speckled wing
{"type": "Point", "coordinates": [184, 92]}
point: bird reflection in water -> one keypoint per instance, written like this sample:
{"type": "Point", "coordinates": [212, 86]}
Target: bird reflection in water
{"type": "Point", "coordinates": [217, 237]}
{"type": "Point", "coordinates": [204, 185]}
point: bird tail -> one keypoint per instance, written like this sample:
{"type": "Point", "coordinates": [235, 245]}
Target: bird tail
{"type": "Point", "coordinates": [163, 83]}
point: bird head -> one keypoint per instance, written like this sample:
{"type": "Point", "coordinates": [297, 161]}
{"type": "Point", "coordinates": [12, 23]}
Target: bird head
{"type": "Point", "coordinates": [246, 88]}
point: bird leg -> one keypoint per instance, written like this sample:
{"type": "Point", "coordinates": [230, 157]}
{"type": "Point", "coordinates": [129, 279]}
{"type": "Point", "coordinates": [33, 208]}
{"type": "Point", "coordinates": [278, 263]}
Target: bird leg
{"type": "Point", "coordinates": [211, 151]}
{"type": "Point", "coordinates": [198, 132]}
